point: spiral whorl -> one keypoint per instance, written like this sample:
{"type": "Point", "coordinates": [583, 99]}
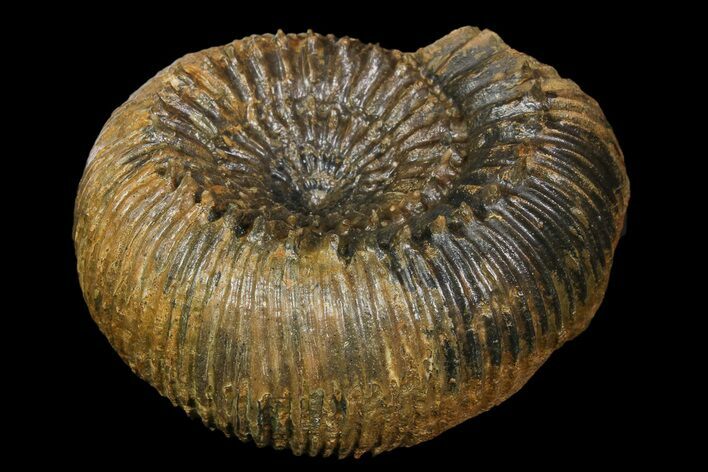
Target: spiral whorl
{"type": "Point", "coordinates": [327, 246]}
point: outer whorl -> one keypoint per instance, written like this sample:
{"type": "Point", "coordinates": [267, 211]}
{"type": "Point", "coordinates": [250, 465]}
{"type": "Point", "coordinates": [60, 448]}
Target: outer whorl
{"type": "Point", "coordinates": [331, 247]}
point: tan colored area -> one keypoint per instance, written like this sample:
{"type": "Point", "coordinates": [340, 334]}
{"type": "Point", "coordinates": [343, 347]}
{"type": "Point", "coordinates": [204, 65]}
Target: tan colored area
{"type": "Point", "coordinates": [330, 247]}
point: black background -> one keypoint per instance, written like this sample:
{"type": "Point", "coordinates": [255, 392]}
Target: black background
{"type": "Point", "coordinates": [586, 405]}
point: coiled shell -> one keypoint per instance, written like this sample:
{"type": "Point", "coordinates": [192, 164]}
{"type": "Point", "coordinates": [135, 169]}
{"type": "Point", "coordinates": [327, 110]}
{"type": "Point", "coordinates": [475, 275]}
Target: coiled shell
{"type": "Point", "coordinates": [323, 245]}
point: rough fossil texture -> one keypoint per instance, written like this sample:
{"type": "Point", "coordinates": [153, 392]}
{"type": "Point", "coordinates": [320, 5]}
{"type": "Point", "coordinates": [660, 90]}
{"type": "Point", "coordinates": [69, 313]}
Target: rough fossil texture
{"type": "Point", "coordinates": [327, 246]}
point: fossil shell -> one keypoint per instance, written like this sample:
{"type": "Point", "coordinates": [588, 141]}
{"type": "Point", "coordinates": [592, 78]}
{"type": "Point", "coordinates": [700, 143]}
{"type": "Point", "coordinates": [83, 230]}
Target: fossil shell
{"type": "Point", "coordinates": [327, 246]}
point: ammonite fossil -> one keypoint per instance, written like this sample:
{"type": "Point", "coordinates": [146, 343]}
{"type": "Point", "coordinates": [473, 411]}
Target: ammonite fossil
{"type": "Point", "coordinates": [328, 246]}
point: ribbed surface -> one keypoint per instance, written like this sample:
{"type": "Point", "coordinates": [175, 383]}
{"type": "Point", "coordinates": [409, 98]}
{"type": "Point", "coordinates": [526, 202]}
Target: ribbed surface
{"type": "Point", "coordinates": [331, 247]}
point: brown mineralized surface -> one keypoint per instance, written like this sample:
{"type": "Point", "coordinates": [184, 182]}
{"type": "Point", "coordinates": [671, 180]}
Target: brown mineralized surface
{"type": "Point", "coordinates": [327, 246]}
